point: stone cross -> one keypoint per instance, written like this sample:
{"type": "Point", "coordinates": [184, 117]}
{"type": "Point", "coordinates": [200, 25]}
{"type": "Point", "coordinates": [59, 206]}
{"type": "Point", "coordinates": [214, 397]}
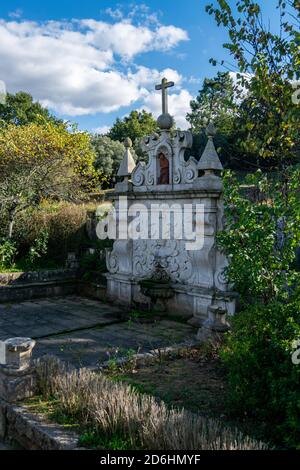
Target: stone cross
{"type": "Point", "coordinates": [164, 92]}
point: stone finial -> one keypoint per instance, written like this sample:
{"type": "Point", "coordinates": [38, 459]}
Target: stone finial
{"type": "Point", "coordinates": [17, 377]}
{"type": "Point", "coordinates": [128, 142]}
{"type": "Point", "coordinates": [210, 130]}
{"type": "Point", "coordinates": [16, 352]}
{"type": "Point", "coordinates": [209, 159]}
{"type": "Point", "coordinates": [165, 121]}
{"type": "Point", "coordinates": [127, 164]}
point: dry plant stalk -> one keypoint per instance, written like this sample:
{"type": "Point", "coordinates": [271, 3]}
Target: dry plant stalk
{"type": "Point", "coordinates": [115, 408]}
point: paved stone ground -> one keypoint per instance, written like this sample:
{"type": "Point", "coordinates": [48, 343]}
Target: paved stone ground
{"type": "Point", "coordinates": [86, 332]}
{"type": "Point", "coordinates": [4, 446]}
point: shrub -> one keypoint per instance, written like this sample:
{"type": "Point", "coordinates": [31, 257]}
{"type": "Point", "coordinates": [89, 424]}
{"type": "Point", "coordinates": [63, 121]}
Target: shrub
{"type": "Point", "coordinates": [262, 234]}
{"type": "Point", "coordinates": [39, 247]}
{"type": "Point", "coordinates": [63, 222]}
{"type": "Point", "coordinates": [261, 237]}
{"type": "Point", "coordinates": [43, 161]}
{"type": "Point", "coordinates": [8, 252]}
{"type": "Point", "coordinates": [264, 382]}
{"type": "Point", "coordinates": [113, 409]}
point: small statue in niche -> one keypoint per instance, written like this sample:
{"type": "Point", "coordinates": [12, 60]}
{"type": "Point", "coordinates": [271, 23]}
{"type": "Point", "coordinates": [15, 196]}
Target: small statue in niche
{"type": "Point", "coordinates": [164, 176]}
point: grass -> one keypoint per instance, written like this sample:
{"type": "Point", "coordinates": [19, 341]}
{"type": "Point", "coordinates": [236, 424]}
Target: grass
{"type": "Point", "coordinates": [193, 379]}
{"type": "Point", "coordinates": [50, 409]}
{"type": "Point", "coordinates": [93, 440]}
{"type": "Point", "coordinates": [113, 415]}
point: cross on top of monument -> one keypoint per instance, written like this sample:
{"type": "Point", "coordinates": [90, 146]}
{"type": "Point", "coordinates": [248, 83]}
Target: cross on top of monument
{"type": "Point", "coordinates": [164, 92]}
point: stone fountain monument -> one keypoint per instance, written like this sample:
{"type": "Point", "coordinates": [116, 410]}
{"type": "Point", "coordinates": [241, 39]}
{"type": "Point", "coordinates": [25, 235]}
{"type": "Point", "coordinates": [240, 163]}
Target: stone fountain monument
{"type": "Point", "coordinates": [176, 192]}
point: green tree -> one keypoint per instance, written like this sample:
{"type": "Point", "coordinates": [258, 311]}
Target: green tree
{"type": "Point", "coordinates": [268, 63]}
{"type": "Point", "coordinates": [136, 125]}
{"type": "Point", "coordinates": [109, 154]}
{"type": "Point", "coordinates": [42, 162]}
{"type": "Point", "coordinates": [217, 102]}
{"type": "Point", "coordinates": [20, 109]}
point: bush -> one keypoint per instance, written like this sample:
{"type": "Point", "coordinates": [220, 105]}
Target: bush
{"type": "Point", "coordinates": [64, 224]}
{"type": "Point", "coordinates": [114, 410]}
{"type": "Point", "coordinates": [261, 237]}
{"type": "Point", "coordinates": [264, 382]}
{"type": "Point", "coordinates": [262, 234]}
{"type": "Point", "coordinates": [8, 252]}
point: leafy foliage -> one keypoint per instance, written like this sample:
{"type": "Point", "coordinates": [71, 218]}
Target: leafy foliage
{"type": "Point", "coordinates": [268, 62]}
{"type": "Point", "coordinates": [8, 252]}
{"type": "Point", "coordinates": [135, 126]}
{"type": "Point", "coordinates": [109, 154]}
{"type": "Point", "coordinates": [217, 102]}
{"type": "Point", "coordinates": [39, 247]}
{"type": "Point", "coordinates": [260, 239]}
{"type": "Point", "coordinates": [262, 234]}
{"type": "Point", "coordinates": [58, 227]}
{"type": "Point", "coordinates": [20, 109]}
{"type": "Point", "coordinates": [264, 381]}
{"type": "Point", "coordinates": [38, 162]}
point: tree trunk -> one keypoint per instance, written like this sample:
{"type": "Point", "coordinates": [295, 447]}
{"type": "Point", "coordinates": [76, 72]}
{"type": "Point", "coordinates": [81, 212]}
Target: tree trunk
{"type": "Point", "coordinates": [10, 228]}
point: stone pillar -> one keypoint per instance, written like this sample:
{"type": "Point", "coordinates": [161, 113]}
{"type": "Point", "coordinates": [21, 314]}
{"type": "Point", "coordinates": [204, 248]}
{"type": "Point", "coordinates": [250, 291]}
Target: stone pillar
{"type": "Point", "coordinates": [215, 324]}
{"type": "Point", "coordinates": [72, 261]}
{"type": "Point", "coordinates": [17, 378]}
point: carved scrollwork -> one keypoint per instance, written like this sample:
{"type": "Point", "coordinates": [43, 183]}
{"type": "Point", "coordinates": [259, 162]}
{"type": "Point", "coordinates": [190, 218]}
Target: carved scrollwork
{"type": "Point", "coordinates": [112, 262]}
{"type": "Point", "coordinates": [190, 174]}
{"type": "Point", "coordinates": [150, 180]}
{"type": "Point", "coordinates": [138, 175]}
{"type": "Point", "coordinates": [177, 176]}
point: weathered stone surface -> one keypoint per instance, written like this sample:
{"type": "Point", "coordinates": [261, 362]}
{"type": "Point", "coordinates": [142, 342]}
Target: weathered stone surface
{"type": "Point", "coordinates": [16, 385]}
{"type": "Point", "coordinates": [52, 316]}
{"type": "Point", "coordinates": [87, 332]}
{"type": "Point", "coordinates": [127, 164]}
{"type": "Point", "coordinates": [36, 276]}
{"type": "Point", "coordinates": [17, 352]}
{"type": "Point", "coordinates": [196, 274]}
{"type": "Point", "coordinates": [2, 420]}
{"type": "Point", "coordinates": [33, 432]}
{"type": "Point", "coordinates": [17, 377]}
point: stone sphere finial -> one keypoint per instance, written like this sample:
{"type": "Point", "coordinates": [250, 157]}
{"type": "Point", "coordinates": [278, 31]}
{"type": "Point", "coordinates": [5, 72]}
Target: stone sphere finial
{"type": "Point", "coordinates": [128, 142]}
{"type": "Point", "coordinates": [210, 130]}
{"type": "Point", "coordinates": [165, 121]}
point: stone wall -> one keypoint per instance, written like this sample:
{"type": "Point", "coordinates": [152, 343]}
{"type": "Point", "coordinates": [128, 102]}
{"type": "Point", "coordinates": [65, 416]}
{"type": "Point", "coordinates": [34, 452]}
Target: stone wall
{"type": "Point", "coordinates": [31, 431]}
{"type": "Point", "coordinates": [16, 287]}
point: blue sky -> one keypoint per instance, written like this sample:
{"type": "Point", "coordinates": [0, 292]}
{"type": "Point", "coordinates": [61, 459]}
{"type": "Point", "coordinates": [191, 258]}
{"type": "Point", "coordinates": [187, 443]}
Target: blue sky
{"type": "Point", "coordinates": [92, 61]}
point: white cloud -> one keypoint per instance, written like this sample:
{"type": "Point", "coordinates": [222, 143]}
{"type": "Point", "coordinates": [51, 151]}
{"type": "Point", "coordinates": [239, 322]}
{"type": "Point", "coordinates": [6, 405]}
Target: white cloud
{"type": "Point", "coordinates": [101, 130]}
{"type": "Point", "coordinates": [74, 68]}
{"type": "Point", "coordinates": [16, 14]}
{"type": "Point", "coordinates": [116, 14]}
{"type": "Point", "coordinates": [128, 40]}
{"type": "Point", "coordinates": [179, 106]}
{"type": "Point", "coordinates": [194, 80]}
{"type": "Point", "coordinates": [151, 77]}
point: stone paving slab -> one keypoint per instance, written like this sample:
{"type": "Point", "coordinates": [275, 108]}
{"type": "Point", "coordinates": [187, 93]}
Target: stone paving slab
{"type": "Point", "coordinates": [86, 332]}
{"type": "Point", "coordinates": [95, 345]}
{"type": "Point", "coordinates": [4, 446]}
{"type": "Point", "coordinates": [46, 317]}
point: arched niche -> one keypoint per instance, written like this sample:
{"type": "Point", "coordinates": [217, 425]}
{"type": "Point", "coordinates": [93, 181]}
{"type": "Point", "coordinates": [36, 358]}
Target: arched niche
{"type": "Point", "coordinates": [163, 166]}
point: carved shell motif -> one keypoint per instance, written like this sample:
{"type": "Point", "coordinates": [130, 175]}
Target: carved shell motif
{"type": "Point", "coordinates": [174, 259]}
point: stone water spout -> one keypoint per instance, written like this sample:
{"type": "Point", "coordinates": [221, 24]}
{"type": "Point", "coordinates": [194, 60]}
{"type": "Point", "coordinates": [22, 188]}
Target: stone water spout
{"type": "Point", "coordinates": [158, 287]}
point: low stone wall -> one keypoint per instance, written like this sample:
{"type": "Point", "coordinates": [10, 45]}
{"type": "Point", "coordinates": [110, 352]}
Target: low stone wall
{"type": "Point", "coordinates": [29, 277]}
{"type": "Point", "coordinates": [32, 431]}
{"type": "Point", "coordinates": [16, 287]}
